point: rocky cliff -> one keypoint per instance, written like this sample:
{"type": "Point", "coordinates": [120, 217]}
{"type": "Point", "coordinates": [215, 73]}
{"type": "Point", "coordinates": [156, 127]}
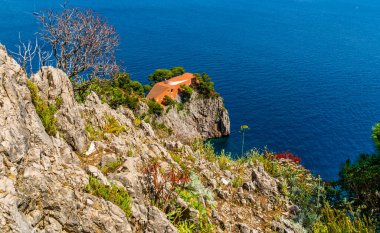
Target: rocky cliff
{"type": "Point", "coordinates": [65, 182]}
{"type": "Point", "coordinates": [201, 118]}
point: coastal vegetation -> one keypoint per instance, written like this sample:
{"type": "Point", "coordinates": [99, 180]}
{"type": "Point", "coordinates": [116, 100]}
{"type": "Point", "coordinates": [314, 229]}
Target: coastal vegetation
{"type": "Point", "coordinates": [120, 90]}
{"type": "Point", "coordinates": [112, 193]}
{"type": "Point", "coordinates": [350, 204]}
{"type": "Point", "coordinates": [205, 86]}
{"type": "Point", "coordinates": [160, 75]}
{"type": "Point", "coordinates": [46, 111]}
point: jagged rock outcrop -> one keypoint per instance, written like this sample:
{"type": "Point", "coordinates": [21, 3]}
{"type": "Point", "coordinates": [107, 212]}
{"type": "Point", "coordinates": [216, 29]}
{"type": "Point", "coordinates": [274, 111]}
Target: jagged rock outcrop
{"type": "Point", "coordinates": [54, 86]}
{"type": "Point", "coordinates": [201, 117]}
{"type": "Point", "coordinates": [43, 178]}
{"type": "Point", "coordinates": [41, 181]}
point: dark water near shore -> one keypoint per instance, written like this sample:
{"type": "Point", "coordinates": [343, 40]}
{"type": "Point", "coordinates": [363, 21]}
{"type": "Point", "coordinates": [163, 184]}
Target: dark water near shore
{"type": "Point", "coordinates": [303, 74]}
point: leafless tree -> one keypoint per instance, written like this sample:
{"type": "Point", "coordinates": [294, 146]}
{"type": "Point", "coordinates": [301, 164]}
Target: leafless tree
{"type": "Point", "coordinates": [44, 57]}
{"type": "Point", "coordinates": [82, 42]}
{"type": "Point", "coordinates": [31, 53]}
{"type": "Point", "coordinates": [25, 54]}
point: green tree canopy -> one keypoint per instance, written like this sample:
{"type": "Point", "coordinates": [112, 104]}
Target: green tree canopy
{"type": "Point", "coordinates": [376, 135]}
{"type": "Point", "coordinates": [361, 181]}
{"type": "Point", "coordinates": [160, 75]}
{"type": "Point", "coordinates": [178, 70]}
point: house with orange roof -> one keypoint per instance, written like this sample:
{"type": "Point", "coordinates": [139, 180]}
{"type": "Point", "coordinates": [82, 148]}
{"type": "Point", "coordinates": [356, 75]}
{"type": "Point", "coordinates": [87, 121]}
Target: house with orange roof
{"type": "Point", "coordinates": [170, 87]}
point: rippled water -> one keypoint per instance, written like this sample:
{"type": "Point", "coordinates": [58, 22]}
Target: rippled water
{"type": "Point", "coordinates": [303, 74]}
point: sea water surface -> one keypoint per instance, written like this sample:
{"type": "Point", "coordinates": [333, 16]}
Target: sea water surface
{"type": "Point", "coordinates": [303, 74]}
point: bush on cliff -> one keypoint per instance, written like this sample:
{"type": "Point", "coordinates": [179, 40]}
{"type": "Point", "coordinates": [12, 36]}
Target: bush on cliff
{"type": "Point", "coordinates": [205, 86]}
{"type": "Point", "coordinates": [360, 182]}
{"type": "Point", "coordinates": [309, 194]}
{"type": "Point", "coordinates": [117, 195]}
{"type": "Point", "coordinates": [160, 75]}
{"type": "Point", "coordinates": [44, 110]}
{"type": "Point", "coordinates": [376, 135]}
{"type": "Point", "coordinates": [120, 90]}
{"type": "Point", "coordinates": [167, 101]}
{"type": "Point", "coordinates": [185, 93]}
{"type": "Point", "coordinates": [154, 107]}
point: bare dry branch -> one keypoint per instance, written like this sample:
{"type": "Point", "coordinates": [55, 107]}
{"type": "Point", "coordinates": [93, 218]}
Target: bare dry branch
{"type": "Point", "coordinates": [81, 41]}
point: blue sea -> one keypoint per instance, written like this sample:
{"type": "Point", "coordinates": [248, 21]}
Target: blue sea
{"type": "Point", "coordinates": [303, 74]}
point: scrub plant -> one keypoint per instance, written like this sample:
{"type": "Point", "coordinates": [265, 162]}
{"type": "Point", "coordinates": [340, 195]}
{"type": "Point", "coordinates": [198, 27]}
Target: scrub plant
{"type": "Point", "coordinates": [163, 184]}
{"type": "Point", "coordinates": [111, 167]}
{"type": "Point", "coordinates": [113, 126]}
{"type": "Point", "coordinates": [117, 195]}
{"type": "Point", "coordinates": [337, 221]}
{"type": "Point", "coordinates": [45, 111]}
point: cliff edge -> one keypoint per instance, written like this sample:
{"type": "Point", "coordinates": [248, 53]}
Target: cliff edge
{"type": "Point", "coordinates": [201, 117]}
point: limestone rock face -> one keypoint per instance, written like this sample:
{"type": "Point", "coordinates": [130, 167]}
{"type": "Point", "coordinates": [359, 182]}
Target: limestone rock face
{"type": "Point", "coordinates": [264, 181]}
{"type": "Point", "coordinates": [53, 85]}
{"type": "Point", "coordinates": [43, 178]}
{"type": "Point", "coordinates": [40, 176]}
{"type": "Point", "coordinates": [201, 118]}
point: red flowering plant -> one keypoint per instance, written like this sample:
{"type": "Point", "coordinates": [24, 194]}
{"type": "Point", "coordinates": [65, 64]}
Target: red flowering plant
{"type": "Point", "coordinates": [288, 156]}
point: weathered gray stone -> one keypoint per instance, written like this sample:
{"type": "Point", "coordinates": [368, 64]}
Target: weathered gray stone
{"type": "Point", "coordinates": [265, 182]}
{"type": "Point", "coordinates": [201, 118]}
{"type": "Point", "coordinates": [53, 85]}
{"type": "Point", "coordinates": [48, 195]}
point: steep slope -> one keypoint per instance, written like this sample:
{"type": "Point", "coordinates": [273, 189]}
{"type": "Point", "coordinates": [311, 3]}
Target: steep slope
{"type": "Point", "coordinates": [45, 181]}
{"type": "Point", "coordinates": [40, 176]}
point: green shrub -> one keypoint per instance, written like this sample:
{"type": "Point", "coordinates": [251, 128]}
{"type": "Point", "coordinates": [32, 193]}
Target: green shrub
{"type": "Point", "coordinates": [203, 222]}
{"type": "Point", "coordinates": [120, 90]}
{"type": "Point", "coordinates": [58, 102]}
{"type": "Point", "coordinates": [205, 86]}
{"type": "Point", "coordinates": [167, 101]}
{"type": "Point", "coordinates": [113, 126]}
{"type": "Point", "coordinates": [186, 227]}
{"type": "Point", "coordinates": [111, 167]}
{"type": "Point", "coordinates": [117, 195]}
{"type": "Point", "coordinates": [160, 75]}
{"type": "Point", "coordinates": [236, 182]}
{"type": "Point", "coordinates": [178, 70]}
{"type": "Point", "coordinates": [154, 107]}
{"type": "Point", "coordinates": [93, 133]}
{"type": "Point", "coordinates": [45, 111]}
{"type": "Point", "coordinates": [337, 221]}
{"type": "Point", "coordinates": [180, 106]}
{"type": "Point", "coordinates": [224, 161]}
{"type": "Point", "coordinates": [137, 121]}
{"type": "Point", "coordinates": [185, 93]}
{"type": "Point", "coordinates": [124, 82]}
{"type": "Point", "coordinates": [376, 135]}
{"type": "Point", "coordinates": [197, 187]}
{"type": "Point", "coordinates": [361, 183]}
{"type": "Point", "coordinates": [302, 188]}
{"type": "Point", "coordinates": [162, 128]}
